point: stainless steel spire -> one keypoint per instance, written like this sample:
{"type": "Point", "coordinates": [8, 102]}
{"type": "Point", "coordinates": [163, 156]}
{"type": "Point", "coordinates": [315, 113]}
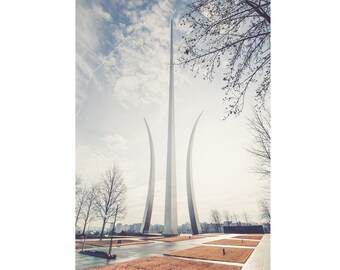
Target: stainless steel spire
{"type": "Point", "coordinates": [149, 201]}
{"type": "Point", "coordinates": [170, 217]}
{"type": "Point", "coordinates": [195, 223]}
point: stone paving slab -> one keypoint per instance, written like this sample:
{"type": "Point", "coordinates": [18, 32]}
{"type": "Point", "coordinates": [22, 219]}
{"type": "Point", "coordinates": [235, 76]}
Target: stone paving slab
{"type": "Point", "coordinates": [260, 259]}
{"type": "Point", "coordinates": [128, 253]}
{"type": "Point", "coordinates": [114, 243]}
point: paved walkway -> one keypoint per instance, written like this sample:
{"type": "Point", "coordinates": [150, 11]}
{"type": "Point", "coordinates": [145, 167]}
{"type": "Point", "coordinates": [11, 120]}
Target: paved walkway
{"type": "Point", "coordinates": [132, 252]}
{"type": "Point", "coordinates": [258, 259]}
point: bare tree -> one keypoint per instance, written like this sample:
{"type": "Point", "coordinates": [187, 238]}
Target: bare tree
{"type": "Point", "coordinates": [81, 193]}
{"type": "Point", "coordinates": [205, 227]}
{"type": "Point", "coordinates": [110, 193]}
{"type": "Point", "coordinates": [234, 34]}
{"type": "Point", "coordinates": [245, 215]}
{"type": "Point", "coordinates": [259, 126]}
{"type": "Point", "coordinates": [89, 212]}
{"type": "Point", "coordinates": [120, 213]}
{"type": "Point", "coordinates": [118, 210]}
{"type": "Point", "coordinates": [235, 216]}
{"type": "Point", "coordinates": [78, 184]}
{"type": "Point", "coordinates": [216, 219]}
{"type": "Point", "coordinates": [265, 210]}
{"type": "Point", "coordinates": [227, 217]}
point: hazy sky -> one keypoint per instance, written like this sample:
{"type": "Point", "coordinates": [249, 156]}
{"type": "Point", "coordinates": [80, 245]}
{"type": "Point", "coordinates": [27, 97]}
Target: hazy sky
{"type": "Point", "coordinates": [122, 76]}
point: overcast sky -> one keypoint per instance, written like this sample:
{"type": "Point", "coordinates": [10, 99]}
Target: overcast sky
{"type": "Point", "coordinates": [122, 74]}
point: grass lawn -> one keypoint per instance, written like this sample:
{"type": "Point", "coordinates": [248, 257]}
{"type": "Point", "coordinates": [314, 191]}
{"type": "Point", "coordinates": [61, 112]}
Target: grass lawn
{"type": "Point", "coordinates": [164, 263]}
{"type": "Point", "coordinates": [252, 237]}
{"type": "Point", "coordinates": [80, 245]}
{"type": "Point", "coordinates": [234, 242]}
{"type": "Point", "coordinates": [236, 255]}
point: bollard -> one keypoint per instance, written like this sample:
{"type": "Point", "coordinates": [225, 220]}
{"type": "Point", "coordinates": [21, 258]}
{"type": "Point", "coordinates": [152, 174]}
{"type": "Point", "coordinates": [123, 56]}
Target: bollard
{"type": "Point", "coordinates": [223, 251]}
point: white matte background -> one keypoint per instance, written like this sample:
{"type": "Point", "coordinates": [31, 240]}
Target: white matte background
{"type": "Point", "coordinates": [37, 59]}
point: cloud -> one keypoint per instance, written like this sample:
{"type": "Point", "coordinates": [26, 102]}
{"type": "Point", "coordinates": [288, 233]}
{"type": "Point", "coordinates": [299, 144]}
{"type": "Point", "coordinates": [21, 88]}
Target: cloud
{"type": "Point", "coordinates": [92, 22]}
{"type": "Point", "coordinates": [125, 55]}
{"type": "Point", "coordinates": [98, 10]}
{"type": "Point", "coordinates": [123, 62]}
{"type": "Point", "coordinates": [93, 160]}
{"type": "Point", "coordinates": [116, 142]}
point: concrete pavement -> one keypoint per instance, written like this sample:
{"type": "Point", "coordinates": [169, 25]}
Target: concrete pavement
{"type": "Point", "coordinates": [259, 259]}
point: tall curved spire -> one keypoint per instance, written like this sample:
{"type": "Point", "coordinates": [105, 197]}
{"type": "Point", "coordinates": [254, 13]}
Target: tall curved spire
{"type": "Point", "coordinates": [195, 223]}
{"type": "Point", "coordinates": [149, 201]}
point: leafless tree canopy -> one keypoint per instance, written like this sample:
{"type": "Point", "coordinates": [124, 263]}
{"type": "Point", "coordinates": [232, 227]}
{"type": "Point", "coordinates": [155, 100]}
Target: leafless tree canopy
{"type": "Point", "coordinates": [227, 216]}
{"type": "Point", "coordinates": [216, 219]}
{"type": "Point", "coordinates": [81, 193]}
{"type": "Point", "coordinates": [110, 193]}
{"type": "Point", "coordinates": [78, 184]}
{"type": "Point", "coordinates": [259, 126]}
{"type": "Point", "coordinates": [205, 227]}
{"type": "Point", "coordinates": [245, 216]}
{"type": "Point", "coordinates": [235, 216]}
{"type": "Point", "coordinates": [265, 210]}
{"type": "Point", "coordinates": [89, 212]}
{"type": "Point", "coordinates": [234, 35]}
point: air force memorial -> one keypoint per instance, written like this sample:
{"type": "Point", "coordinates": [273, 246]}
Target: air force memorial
{"type": "Point", "coordinates": [170, 215]}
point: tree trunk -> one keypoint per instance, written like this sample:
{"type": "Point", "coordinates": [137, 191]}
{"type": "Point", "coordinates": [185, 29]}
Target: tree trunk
{"type": "Point", "coordinates": [84, 229]}
{"type": "Point", "coordinates": [114, 222]}
{"type": "Point", "coordinates": [87, 216]}
{"type": "Point", "coordinates": [77, 217]}
{"type": "Point", "coordinates": [102, 232]}
{"type": "Point", "coordinates": [113, 229]}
